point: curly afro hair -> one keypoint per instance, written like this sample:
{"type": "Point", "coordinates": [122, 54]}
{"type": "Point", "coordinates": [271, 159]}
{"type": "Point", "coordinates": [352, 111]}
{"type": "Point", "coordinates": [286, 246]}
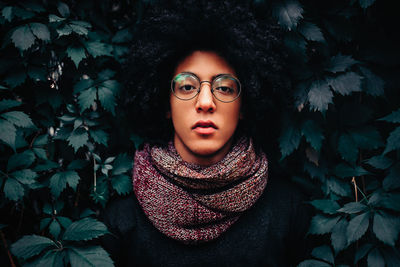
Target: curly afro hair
{"type": "Point", "coordinates": [172, 30]}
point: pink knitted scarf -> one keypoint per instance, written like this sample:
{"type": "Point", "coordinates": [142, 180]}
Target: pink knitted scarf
{"type": "Point", "coordinates": [193, 203]}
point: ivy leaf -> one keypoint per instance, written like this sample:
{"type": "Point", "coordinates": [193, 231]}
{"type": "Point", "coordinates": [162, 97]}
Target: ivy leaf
{"type": "Point", "coordinates": [18, 160]}
{"type": "Point", "coordinates": [321, 224]}
{"type": "Point", "coordinates": [63, 9]}
{"type": "Point", "coordinates": [375, 258]}
{"type": "Point", "coordinates": [393, 141]}
{"type": "Point", "coordinates": [346, 83]}
{"type": "Point", "coordinates": [40, 31]}
{"type": "Point", "coordinates": [83, 85]}
{"type": "Point", "coordinates": [23, 37]}
{"type": "Point", "coordinates": [107, 99]}
{"type": "Point", "coordinates": [343, 170]}
{"type": "Point", "coordinates": [339, 187]}
{"type": "Point", "coordinates": [288, 14]}
{"type": "Point", "coordinates": [13, 190]}
{"type": "Point", "coordinates": [338, 236]}
{"type": "Point", "coordinates": [380, 162]}
{"type": "Point", "coordinates": [59, 181]}
{"type": "Point", "coordinates": [323, 253]}
{"type": "Point", "coordinates": [373, 84]}
{"type": "Point", "coordinates": [313, 134]}
{"type": "Point", "coordinates": [26, 176]}
{"type": "Point", "coordinates": [97, 48]}
{"type": "Point", "coordinates": [367, 138]}
{"type": "Point", "coordinates": [386, 228]}
{"type": "Point", "coordinates": [55, 229]}
{"type": "Point", "coordinates": [122, 164]}
{"type": "Point", "coordinates": [8, 133]}
{"type": "Point", "coordinates": [311, 32]}
{"type": "Point", "coordinates": [31, 245]}
{"type": "Point", "coordinates": [99, 136]}
{"type": "Point", "coordinates": [392, 181]}
{"type": "Point", "coordinates": [319, 96]}
{"type": "Point", "coordinates": [340, 63]}
{"type": "Point", "coordinates": [315, 171]}
{"type": "Point", "coordinates": [325, 205]}
{"type": "Point", "coordinates": [77, 164]}
{"type": "Point", "coordinates": [54, 18]}
{"type": "Point", "coordinates": [8, 103]}
{"type": "Point", "coordinates": [366, 3]}
{"type": "Point", "coordinates": [313, 263]}
{"type": "Point", "coordinates": [357, 227]}
{"type": "Point", "coordinates": [7, 13]}
{"type": "Point", "coordinates": [85, 229]}
{"type": "Point", "coordinates": [86, 98]}
{"type": "Point", "coordinates": [362, 251]}
{"type": "Point", "coordinates": [15, 78]}
{"type": "Point", "coordinates": [393, 117]}
{"type": "Point", "coordinates": [122, 184]}
{"type": "Point", "coordinates": [353, 207]}
{"type": "Point", "coordinates": [18, 118]}
{"type": "Point", "coordinates": [76, 54]}
{"type": "Point", "coordinates": [289, 140]}
{"type": "Point", "coordinates": [347, 148]}
{"type": "Point", "coordinates": [78, 138]}
{"type": "Point", "coordinates": [89, 256]}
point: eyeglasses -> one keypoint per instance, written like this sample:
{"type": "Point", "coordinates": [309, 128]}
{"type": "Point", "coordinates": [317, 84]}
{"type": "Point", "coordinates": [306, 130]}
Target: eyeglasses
{"type": "Point", "coordinates": [224, 87]}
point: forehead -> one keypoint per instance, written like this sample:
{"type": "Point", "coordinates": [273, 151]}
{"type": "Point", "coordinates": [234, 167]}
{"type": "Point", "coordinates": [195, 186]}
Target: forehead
{"type": "Point", "coordinates": [204, 64]}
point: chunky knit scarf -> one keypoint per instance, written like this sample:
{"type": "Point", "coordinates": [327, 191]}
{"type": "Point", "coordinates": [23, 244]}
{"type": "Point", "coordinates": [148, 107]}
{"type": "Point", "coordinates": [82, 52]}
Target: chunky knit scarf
{"type": "Point", "coordinates": [193, 203]}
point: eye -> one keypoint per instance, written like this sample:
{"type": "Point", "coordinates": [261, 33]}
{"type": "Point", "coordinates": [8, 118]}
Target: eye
{"type": "Point", "coordinates": [187, 88]}
{"type": "Point", "coordinates": [225, 90]}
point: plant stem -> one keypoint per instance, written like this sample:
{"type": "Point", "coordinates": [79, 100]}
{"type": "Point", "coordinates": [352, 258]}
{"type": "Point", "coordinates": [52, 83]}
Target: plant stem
{"type": "Point", "coordinates": [3, 238]}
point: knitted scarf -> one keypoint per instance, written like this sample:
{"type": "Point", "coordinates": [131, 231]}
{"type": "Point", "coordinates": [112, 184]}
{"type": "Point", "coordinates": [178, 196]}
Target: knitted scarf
{"type": "Point", "coordinates": [193, 203]}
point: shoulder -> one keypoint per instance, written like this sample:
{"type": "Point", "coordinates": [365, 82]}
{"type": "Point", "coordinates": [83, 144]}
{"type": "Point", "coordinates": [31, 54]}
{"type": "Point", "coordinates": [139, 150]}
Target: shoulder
{"type": "Point", "coordinates": [120, 213]}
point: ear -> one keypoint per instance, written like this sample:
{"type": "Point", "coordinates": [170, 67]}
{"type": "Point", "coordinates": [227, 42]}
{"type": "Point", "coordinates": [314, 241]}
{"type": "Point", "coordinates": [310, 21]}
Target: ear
{"type": "Point", "coordinates": [168, 115]}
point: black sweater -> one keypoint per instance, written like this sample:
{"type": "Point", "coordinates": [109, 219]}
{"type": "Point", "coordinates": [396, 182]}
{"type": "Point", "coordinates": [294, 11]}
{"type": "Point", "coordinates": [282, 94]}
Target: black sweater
{"type": "Point", "coordinates": [271, 233]}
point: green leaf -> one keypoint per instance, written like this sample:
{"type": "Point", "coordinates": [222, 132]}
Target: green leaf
{"type": "Point", "coordinates": [122, 36]}
{"type": "Point", "coordinates": [122, 184]}
{"type": "Point", "coordinates": [53, 258]}
{"type": "Point", "coordinates": [339, 187]}
{"type": "Point", "coordinates": [340, 63]}
{"type": "Point", "coordinates": [55, 229]}
{"type": "Point", "coordinates": [357, 227]}
{"type": "Point", "coordinates": [362, 251]}
{"type": "Point", "coordinates": [26, 176]}
{"type": "Point", "coordinates": [386, 228]}
{"type": "Point", "coordinates": [85, 229]}
{"type": "Point", "coordinates": [391, 201]}
{"type": "Point", "coordinates": [40, 31]}
{"type": "Point", "coordinates": [311, 32]}
{"type": "Point", "coordinates": [99, 136]}
{"type": "Point", "coordinates": [83, 85]}
{"type": "Point", "coordinates": [8, 103]}
{"type": "Point", "coordinates": [7, 13]}
{"type": "Point", "coordinates": [122, 164]}
{"type": "Point", "coordinates": [13, 190]}
{"type": "Point", "coordinates": [77, 164]}
{"type": "Point", "coordinates": [86, 98]}
{"type": "Point", "coordinates": [59, 181]}
{"type": "Point", "coordinates": [18, 118]}
{"type": "Point", "coordinates": [107, 99]}
{"type": "Point", "coordinates": [313, 134]}
{"type": "Point", "coordinates": [137, 140]}
{"type": "Point", "coordinates": [391, 256]}
{"type": "Point", "coordinates": [76, 54]}
{"type": "Point", "coordinates": [346, 83]}
{"type": "Point", "coordinates": [321, 224]}
{"type": "Point", "coordinates": [54, 18]}
{"type": "Point", "coordinates": [380, 162]}
{"type": "Point", "coordinates": [89, 257]}
{"type": "Point", "coordinates": [31, 245]}
{"type": "Point", "coordinates": [78, 138]}
{"type": "Point", "coordinates": [393, 141]}
{"type": "Point", "coordinates": [347, 148]}
{"type": "Point", "coordinates": [313, 263]}
{"type": "Point", "coordinates": [326, 205]}
{"type": "Point", "coordinates": [373, 84]}
{"type": "Point", "coordinates": [366, 3]}
{"type": "Point", "coordinates": [63, 9]}
{"type": "Point", "coordinates": [44, 223]}
{"type": "Point", "coordinates": [323, 253]}
{"type": "Point", "coordinates": [353, 207]}
{"type": "Point", "coordinates": [392, 181]}
{"type": "Point", "coordinates": [66, 30]}
{"type": "Point", "coordinates": [20, 160]}
{"type": "Point", "coordinates": [367, 138]}
{"type": "Point", "coordinates": [338, 236]}
{"type": "Point", "coordinates": [343, 170]}
{"type": "Point", "coordinates": [288, 14]}
{"type": "Point", "coordinates": [319, 96]}
{"type": "Point", "coordinates": [393, 117]}
{"type": "Point", "coordinates": [40, 153]}
{"type": "Point", "coordinates": [97, 48]}
{"type": "Point", "coordinates": [23, 37]}
{"type": "Point", "coordinates": [15, 78]}
{"type": "Point", "coordinates": [375, 259]}
{"type": "Point", "coordinates": [289, 140]}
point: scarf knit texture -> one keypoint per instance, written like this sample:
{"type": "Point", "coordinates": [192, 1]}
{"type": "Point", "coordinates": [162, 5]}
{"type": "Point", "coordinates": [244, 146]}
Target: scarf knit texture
{"type": "Point", "coordinates": [193, 203]}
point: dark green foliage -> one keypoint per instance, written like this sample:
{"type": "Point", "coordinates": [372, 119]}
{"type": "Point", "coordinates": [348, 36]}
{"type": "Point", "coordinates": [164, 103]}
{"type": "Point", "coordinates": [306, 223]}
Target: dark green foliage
{"type": "Point", "coordinates": [66, 144]}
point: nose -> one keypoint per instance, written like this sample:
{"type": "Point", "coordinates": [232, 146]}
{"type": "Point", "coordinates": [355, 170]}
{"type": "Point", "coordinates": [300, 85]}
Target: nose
{"type": "Point", "coordinates": [205, 99]}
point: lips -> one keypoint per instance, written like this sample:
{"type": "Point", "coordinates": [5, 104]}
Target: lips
{"type": "Point", "coordinates": [204, 127]}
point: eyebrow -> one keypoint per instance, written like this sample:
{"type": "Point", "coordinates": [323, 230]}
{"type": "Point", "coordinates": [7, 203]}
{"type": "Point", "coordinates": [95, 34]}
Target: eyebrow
{"type": "Point", "coordinates": [212, 78]}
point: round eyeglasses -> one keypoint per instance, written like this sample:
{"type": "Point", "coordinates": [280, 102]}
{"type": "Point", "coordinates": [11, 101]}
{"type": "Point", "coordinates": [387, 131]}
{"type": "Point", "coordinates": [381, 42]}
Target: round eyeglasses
{"type": "Point", "coordinates": [224, 87]}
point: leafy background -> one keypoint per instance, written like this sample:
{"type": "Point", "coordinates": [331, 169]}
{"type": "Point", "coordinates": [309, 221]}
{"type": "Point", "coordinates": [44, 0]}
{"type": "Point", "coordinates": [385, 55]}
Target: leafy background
{"type": "Point", "coordinates": [66, 151]}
